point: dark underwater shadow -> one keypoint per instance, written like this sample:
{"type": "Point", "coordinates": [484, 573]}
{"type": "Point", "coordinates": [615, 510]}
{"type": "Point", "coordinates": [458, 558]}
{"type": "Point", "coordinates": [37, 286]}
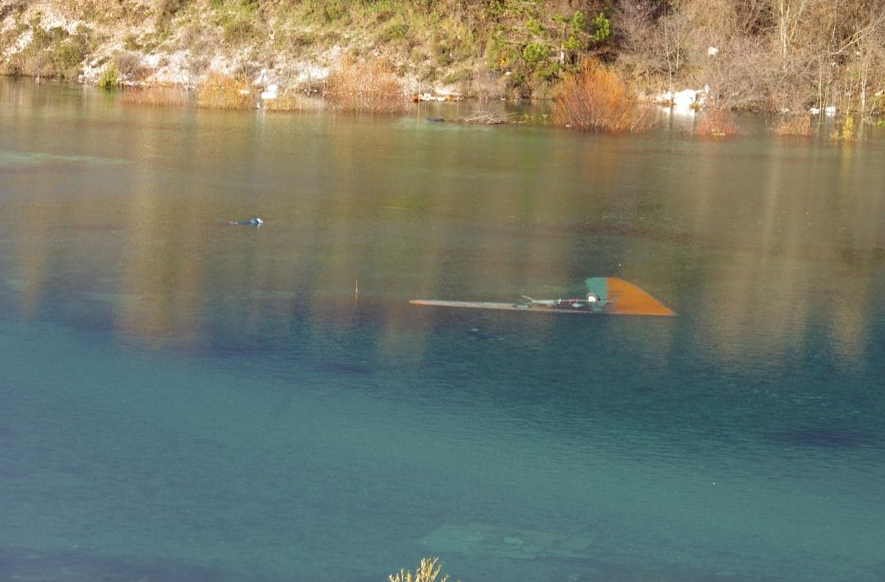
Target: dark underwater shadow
{"type": "Point", "coordinates": [41, 566]}
{"type": "Point", "coordinates": [21, 565]}
{"type": "Point", "coordinates": [829, 437]}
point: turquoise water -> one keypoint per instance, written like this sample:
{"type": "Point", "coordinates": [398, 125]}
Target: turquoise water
{"type": "Point", "coordinates": [185, 400]}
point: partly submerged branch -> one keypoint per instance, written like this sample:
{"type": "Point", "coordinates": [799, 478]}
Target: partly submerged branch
{"type": "Point", "coordinates": [487, 118]}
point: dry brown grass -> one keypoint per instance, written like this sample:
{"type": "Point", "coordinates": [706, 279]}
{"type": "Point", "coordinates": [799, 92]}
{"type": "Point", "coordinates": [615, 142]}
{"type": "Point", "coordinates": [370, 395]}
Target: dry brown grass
{"type": "Point", "coordinates": [156, 96]}
{"type": "Point", "coordinates": [294, 100]}
{"type": "Point", "coordinates": [716, 123]}
{"type": "Point", "coordinates": [597, 98]}
{"type": "Point", "coordinates": [365, 87]}
{"type": "Point", "coordinates": [223, 92]}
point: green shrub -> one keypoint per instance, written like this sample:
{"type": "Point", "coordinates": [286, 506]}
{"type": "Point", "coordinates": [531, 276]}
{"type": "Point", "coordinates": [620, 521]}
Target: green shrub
{"type": "Point", "coordinates": [534, 27]}
{"type": "Point", "coordinates": [66, 58]}
{"type": "Point", "coordinates": [534, 54]}
{"type": "Point", "coordinates": [458, 76]}
{"type": "Point", "coordinates": [333, 11]}
{"type": "Point", "coordinates": [238, 31]}
{"type": "Point", "coordinates": [442, 53]}
{"type": "Point", "coordinates": [601, 27]}
{"type": "Point", "coordinates": [108, 79]}
{"type": "Point", "coordinates": [51, 53]}
{"type": "Point", "coordinates": [394, 31]}
{"type": "Point", "coordinates": [40, 37]}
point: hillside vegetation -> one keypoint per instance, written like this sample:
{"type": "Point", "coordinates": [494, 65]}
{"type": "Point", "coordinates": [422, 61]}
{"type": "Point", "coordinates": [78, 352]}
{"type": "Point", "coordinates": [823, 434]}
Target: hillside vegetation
{"type": "Point", "coordinates": [748, 54]}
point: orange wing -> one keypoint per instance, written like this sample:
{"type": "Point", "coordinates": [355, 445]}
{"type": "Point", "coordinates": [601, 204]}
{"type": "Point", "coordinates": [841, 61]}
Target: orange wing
{"type": "Point", "coordinates": [631, 300]}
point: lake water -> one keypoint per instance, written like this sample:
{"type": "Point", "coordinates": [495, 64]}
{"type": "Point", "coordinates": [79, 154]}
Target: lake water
{"type": "Point", "coordinates": [183, 400]}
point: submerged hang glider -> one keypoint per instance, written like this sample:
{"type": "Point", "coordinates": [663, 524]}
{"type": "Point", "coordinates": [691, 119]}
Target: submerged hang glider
{"type": "Point", "coordinates": [605, 295]}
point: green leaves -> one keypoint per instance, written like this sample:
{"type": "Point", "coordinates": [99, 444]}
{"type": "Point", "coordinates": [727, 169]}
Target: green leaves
{"type": "Point", "coordinates": [535, 53]}
{"type": "Point", "coordinates": [601, 28]}
{"type": "Point", "coordinates": [578, 22]}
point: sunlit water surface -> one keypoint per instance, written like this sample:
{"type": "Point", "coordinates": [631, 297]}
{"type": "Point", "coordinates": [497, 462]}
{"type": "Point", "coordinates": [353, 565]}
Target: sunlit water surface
{"type": "Point", "coordinates": [184, 400]}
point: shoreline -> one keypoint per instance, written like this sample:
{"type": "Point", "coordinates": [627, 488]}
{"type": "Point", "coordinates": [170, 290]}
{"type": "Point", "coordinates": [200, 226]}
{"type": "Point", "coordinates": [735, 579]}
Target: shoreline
{"type": "Point", "coordinates": [512, 50]}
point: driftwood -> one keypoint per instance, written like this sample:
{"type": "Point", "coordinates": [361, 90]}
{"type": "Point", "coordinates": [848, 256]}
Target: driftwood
{"type": "Point", "coordinates": [487, 118]}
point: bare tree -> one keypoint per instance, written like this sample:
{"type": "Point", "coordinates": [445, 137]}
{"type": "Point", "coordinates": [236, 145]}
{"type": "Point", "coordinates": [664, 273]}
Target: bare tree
{"type": "Point", "coordinates": [635, 31]}
{"type": "Point", "coordinates": [675, 31]}
{"type": "Point", "coordinates": [789, 15]}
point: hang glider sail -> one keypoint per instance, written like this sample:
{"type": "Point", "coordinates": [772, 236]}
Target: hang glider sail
{"type": "Point", "coordinates": [605, 295]}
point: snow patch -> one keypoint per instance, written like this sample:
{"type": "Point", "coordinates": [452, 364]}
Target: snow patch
{"type": "Point", "coordinates": [20, 43]}
{"type": "Point", "coordinates": [685, 99]}
{"type": "Point", "coordinates": [50, 21]}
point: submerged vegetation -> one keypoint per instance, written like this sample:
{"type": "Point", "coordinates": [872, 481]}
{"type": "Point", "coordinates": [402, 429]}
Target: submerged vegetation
{"type": "Point", "coordinates": [716, 122]}
{"type": "Point", "coordinates": [370, 55]}
{"type": "Point", "coordinates": [795, 125]}
{"type": "Point", "coordinates": [428, 570]}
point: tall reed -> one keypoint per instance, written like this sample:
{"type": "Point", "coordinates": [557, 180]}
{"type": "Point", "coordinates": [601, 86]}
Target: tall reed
{"type": "Point", "coordinates": [157, 96]}
{"type": "Point", "coordinates": [365, 87]}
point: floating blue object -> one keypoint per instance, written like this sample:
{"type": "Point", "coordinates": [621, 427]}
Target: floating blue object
{"type": "Point", "coordinates": [251, 222]}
